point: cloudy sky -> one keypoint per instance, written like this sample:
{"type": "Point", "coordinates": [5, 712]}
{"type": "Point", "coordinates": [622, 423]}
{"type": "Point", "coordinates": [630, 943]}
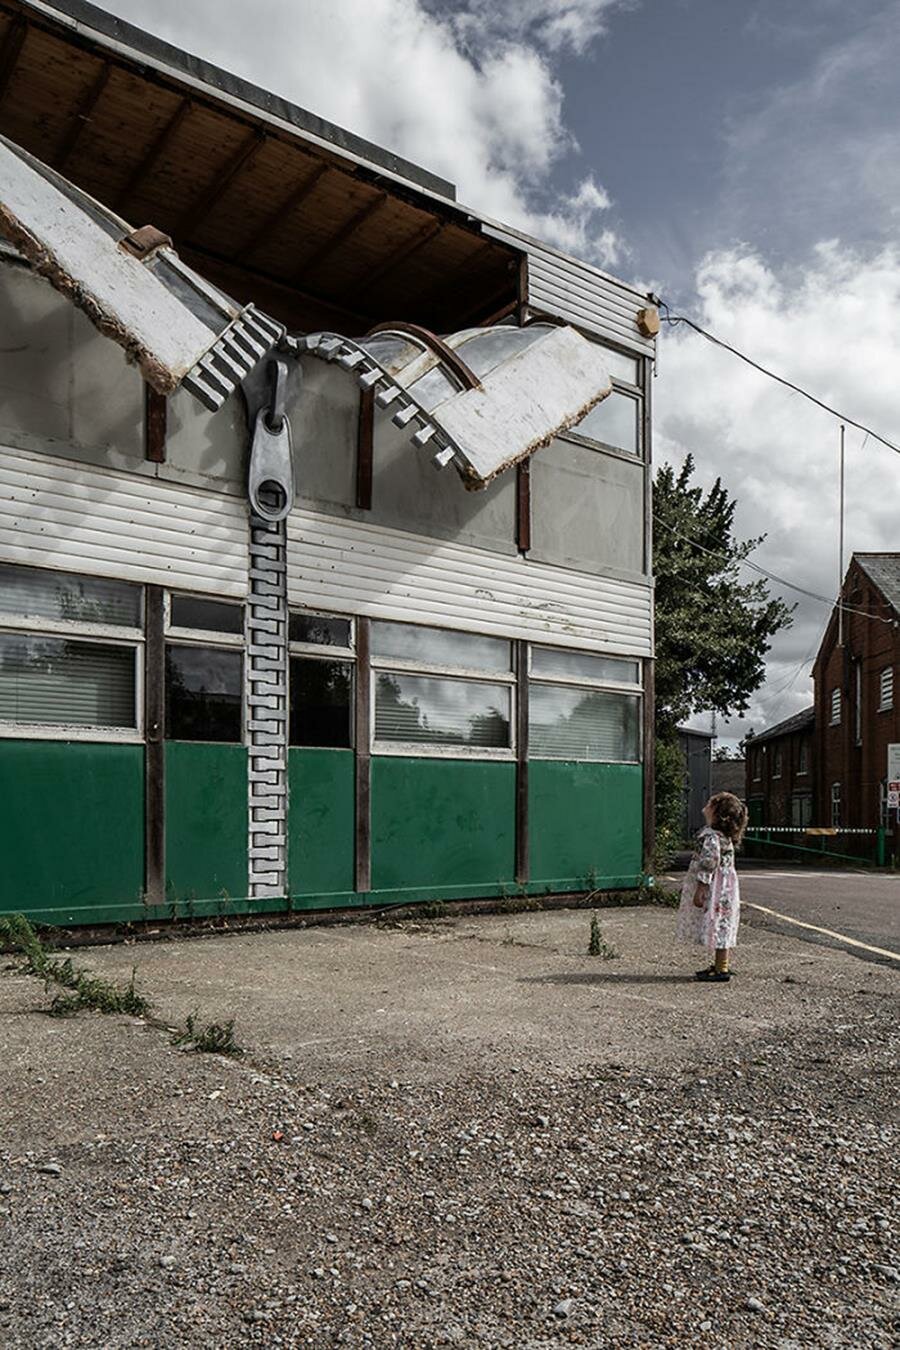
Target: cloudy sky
{"type": "Point", "coordinates": [739, 156]}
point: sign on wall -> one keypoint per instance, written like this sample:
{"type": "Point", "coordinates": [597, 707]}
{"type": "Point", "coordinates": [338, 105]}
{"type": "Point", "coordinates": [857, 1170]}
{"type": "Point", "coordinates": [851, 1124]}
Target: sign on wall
{"type": "Point", "coordinates": [893, 763]}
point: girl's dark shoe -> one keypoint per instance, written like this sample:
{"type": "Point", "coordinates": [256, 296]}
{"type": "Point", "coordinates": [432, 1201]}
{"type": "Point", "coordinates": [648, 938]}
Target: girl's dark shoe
{"type": "Point", "coordinates": [712, 976]}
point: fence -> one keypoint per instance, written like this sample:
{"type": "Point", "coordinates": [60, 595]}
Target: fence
{"type": "Point", "coordinates": [760, 843]}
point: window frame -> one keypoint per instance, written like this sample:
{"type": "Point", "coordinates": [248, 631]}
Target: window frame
{"type": "Point", "coordinates": [621, 386]}
{"type": "Point", "coordinates": [592, 687]}
{"type": "Point", "coordinates": [777, 761]}
{"type": "Point", "coordinates": [835, 806]}
{"type": "Point", "coordinates": [837, 708]}
{"type": "Point", "coordinates": [322, 649]}
{"type": "Point", "coordinates": [99, 634]}
{"type": "Point", "coordinates": [439, 670]}
{"type": "Point", "coordinates": [204, 637]}
{"type": "Point", "coordinates": [803, 758]}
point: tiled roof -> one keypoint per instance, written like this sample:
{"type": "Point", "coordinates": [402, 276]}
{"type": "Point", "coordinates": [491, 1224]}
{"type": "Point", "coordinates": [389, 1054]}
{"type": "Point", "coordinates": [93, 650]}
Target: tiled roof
{"type": "Point", "coordinates": [884, 570]}
{"type": "Point", "coordinates": [799, 722]}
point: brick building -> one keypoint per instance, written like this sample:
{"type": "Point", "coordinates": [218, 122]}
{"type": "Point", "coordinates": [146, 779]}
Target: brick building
{"type": "Point", "coordinates": [781, 773]}
{"type": "Point", "coordinates": [857, 712]}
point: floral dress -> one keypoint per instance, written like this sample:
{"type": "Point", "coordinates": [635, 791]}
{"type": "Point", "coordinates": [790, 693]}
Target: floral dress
{"type": "Point", "coordinates": [715, 925]}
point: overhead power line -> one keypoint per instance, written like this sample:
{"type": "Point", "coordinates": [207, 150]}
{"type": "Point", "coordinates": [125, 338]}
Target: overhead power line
{"type": "Point", "coordinates": [675, 319]}
{"type": "Point", "coordinates": [831, 601]}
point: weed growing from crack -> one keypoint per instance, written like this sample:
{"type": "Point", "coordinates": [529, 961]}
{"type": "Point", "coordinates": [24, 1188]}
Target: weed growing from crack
{"type": "Point", "coordinates": [87, 991]}
{"type": "Point", "coordinates": [216, 1038]}
{"type": "Point", "coordinates": [597, 945]}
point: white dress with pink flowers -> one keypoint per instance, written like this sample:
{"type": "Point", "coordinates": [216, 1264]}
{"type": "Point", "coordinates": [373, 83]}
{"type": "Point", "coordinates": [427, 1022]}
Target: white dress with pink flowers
{"type": "Point", "coordinates": [715, 925]}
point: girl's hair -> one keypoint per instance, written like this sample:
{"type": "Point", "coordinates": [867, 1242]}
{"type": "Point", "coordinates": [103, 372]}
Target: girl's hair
{"type": "Point", "coordinates": [729, 816]}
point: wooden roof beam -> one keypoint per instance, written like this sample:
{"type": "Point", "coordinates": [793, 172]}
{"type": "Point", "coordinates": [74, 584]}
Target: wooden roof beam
{"type": "Point", "coordinates": [157, 147]}
{"type": "Point", "coordinates": [81, 117]}
{"type": "Point", "coordinates": [198, 211]}
{"type": "Point", "coordinates": [401, 255]}
{"type": "Point", "coordinates": [9, 53]}
{"type": "Point", "coordinates": [331, 245]}
{"type": "Point", "coordinates": [295, 198]}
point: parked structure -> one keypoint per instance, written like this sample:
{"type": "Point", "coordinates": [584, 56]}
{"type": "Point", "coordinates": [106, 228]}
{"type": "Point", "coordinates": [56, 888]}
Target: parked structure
{"type": "Point", "coordinates": [369, 683]}
{"type": "Point", "coordinates": [696, 747]}
{"type": "Point", "coordinates": [857, 712]}
{"type": "Point", "coordinates": [781, 773]}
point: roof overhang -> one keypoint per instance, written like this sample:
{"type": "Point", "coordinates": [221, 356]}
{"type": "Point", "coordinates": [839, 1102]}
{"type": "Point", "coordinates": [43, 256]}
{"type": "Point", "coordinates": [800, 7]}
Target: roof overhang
{"type": "Point", "coordinates": [314, 225]}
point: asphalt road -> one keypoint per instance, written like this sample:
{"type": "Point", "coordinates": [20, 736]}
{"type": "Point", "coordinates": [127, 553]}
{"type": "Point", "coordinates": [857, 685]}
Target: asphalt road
{"type": "Point", "coordinates": [864, 908]}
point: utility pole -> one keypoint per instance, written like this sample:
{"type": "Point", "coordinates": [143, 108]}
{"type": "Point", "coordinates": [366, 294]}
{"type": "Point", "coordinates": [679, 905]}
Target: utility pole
{"type": "Point", "coordinates": [841, 551]}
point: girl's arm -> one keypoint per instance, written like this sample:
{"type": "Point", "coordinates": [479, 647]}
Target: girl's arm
{"type": "Point", "coordinates": [710, 857]}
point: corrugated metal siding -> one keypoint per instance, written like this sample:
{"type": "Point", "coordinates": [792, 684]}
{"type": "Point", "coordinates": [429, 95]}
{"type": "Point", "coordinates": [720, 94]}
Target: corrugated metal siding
{"type": "Point", "coordinates": [356, 568]}
{"type": "Point", "coordinates": [579, 293]}
{"type": "Point", "coordinates": [80, 518]}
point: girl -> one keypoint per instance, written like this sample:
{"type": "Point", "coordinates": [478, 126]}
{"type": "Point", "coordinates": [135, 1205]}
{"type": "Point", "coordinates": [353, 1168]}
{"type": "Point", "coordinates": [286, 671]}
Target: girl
{"type": "Point", "coordinates": [710, 907]}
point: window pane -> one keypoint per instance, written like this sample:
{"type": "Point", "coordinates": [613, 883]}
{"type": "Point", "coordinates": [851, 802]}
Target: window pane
{"type": "Point", "coordinates": [583, 724]}
{"type": "Point", "coordinates": [484, 348]}
{"type": "Point", "coordinates": [583, 665]}
{"type": "Point", "coordinates": [419, 708]}
{"type": "Point", "coordinates": [203, 694]}
{"type": "Point", "coordinates": [212, 616]}
{"type": "Point", "coordinates": [63, 595]}
{"type": "Point", "coordinates": [614, 421]}
{"type": "Point", "coordinates": [441, 647]}
{"type": "Point", "coordinates": [55, 681]}
{"type": "Point", "coordinates": [321, 702]}
{"type": "Point", "coordinates": [319, 628]}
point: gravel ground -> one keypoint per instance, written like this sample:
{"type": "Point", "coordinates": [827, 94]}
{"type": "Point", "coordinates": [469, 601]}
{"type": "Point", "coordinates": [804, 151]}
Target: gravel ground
{"type": "Point", "coordinates": [150, 1197]}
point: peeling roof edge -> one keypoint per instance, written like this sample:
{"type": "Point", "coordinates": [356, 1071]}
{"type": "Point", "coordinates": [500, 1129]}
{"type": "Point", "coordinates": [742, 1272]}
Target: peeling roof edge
{"type": "Point", "coordinates": [130, 41]}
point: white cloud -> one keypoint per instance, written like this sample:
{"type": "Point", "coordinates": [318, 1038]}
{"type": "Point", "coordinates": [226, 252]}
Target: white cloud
{"type": "Point", "coordinates": [554, 24]}
{"type": "Point", "coordinates": [411, 80]}
{"type": "Point", "coordinates": [832, 326]}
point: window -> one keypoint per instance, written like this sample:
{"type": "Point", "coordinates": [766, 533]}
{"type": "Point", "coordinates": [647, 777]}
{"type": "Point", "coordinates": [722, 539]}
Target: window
{"type": "Point", "coordinates": [321, 702]}
{"type": "Point", "coordinates": [835, 707]}
{"type": "Point", "coordinates": [203, 694]}
{"type": "Point", "coordinates": [69, 654]}
{"type": "Point", "coordinates": [422, 708]}
{"type": "Point", "coordinates": [211, 616]}
{"type": "Point", "coordinates": [803, 757]}
{"type": "Point", "coordinates": [857, 702]}
{"type": "Point", "coordinates": [615, 421]}
{"type": "Point", "coordinates": [204, 669]}
{"type": "Point", "coordinates": [776, 761]}
{"type": "Point", "coordinates": [757, 765]}
{"type": "Point", "coordinates": [886, 689]}
{"type": "Point", "coordinates": [572, 716]}
{"type": "Point", "coordinates": [556, 661]}
{"type": "Point", "coordinates": [583, 724]}
{"type": "Point", "coordinates": [835, 805]}
{"type": "Point", "coordinates": [321, 680]}
{"type": "Point", "coordinates": [801, 810]}
{"type": "Point", "coordinates": [442, 689]}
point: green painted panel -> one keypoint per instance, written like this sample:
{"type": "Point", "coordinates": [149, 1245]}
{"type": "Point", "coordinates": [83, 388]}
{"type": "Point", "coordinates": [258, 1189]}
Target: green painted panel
{"type": "Point", "coordinates": [442, 822]}
{"type": "Point", "coordinates": [72, 826]}
{"type": "Point", "coordinates": [206, 821]}
{"type": "Point", "coordinates": [585, 821]}
{"type": "Point", "coordinates": [321, 821]}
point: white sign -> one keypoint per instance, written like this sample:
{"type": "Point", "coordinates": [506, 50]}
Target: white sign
{"type": "Point", "coordinates": [893, 796]}
{"type": "Point", "coordinates": [893, 764]}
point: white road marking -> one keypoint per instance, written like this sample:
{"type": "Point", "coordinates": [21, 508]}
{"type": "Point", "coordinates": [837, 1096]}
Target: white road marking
{"type": "Point", "coordinates": [828, 932]}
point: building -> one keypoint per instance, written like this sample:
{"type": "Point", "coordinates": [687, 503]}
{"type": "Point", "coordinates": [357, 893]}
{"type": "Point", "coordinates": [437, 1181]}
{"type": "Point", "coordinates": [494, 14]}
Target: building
{"type": "Point", "coordinates": [256, 655]}
{"type": "Point", "coordinates": [729, 775]}
{"type": "Point", "coordinates": [857, 713]}
{"type": "Point", "coordinates": [696, 747]}
{"type": "Point", "coordinates": [781, 773]}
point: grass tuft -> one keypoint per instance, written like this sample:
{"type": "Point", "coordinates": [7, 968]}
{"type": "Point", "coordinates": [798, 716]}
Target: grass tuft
{"type": "Point", "coordinates": [597, 945]}
{"type": "Point", "coordinates": [86, 990]}
{"type": "Point", "coordinates": [216, 1038]}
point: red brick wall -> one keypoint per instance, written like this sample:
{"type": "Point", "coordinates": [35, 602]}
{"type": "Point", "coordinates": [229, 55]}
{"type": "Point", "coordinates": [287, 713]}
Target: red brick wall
{"type": "Point", "coordinates": [771, 791]}
{"type": "Point", "coordinates": [858, 764]}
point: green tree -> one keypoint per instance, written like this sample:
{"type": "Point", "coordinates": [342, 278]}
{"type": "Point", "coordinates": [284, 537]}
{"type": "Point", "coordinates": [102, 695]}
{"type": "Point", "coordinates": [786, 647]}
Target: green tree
{"type": "Point", "coordinates": [713, 629]}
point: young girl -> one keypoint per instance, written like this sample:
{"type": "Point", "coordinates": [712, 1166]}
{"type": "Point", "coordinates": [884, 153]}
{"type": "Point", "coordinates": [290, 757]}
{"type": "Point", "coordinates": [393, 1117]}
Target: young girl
{"type": "Point", "coordinates": [710, 908]}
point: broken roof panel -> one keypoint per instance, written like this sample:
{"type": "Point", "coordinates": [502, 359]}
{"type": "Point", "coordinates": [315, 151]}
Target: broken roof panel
{"type": "Point", "coordinates": [484, 398]}
{"type": "Point", "coordinates": [131, 284]}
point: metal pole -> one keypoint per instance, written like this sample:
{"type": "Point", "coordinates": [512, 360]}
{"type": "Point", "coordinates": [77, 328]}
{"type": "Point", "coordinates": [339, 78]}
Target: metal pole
{"type": "Point", "coordinates": [841, 552]}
